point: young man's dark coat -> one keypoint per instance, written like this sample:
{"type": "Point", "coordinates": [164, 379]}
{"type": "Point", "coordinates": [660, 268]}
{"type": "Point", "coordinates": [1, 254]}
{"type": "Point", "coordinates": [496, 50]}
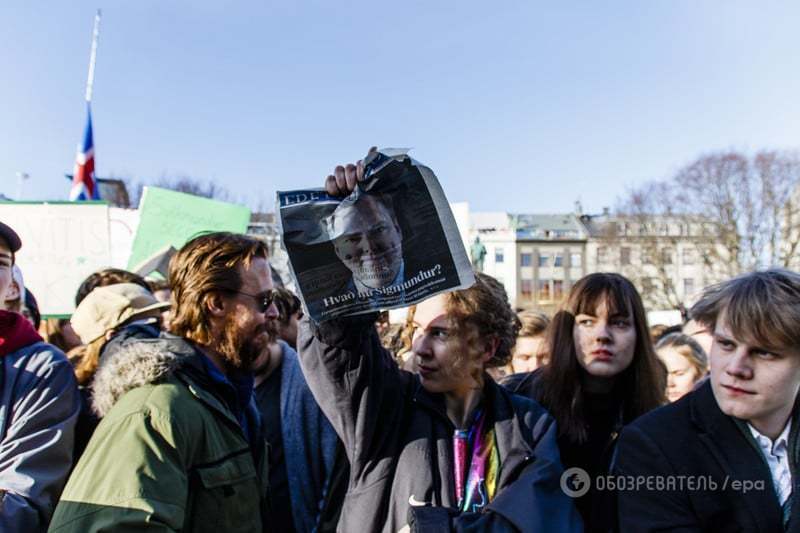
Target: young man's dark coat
{"type": "Point", "coordinates": [693, 438]}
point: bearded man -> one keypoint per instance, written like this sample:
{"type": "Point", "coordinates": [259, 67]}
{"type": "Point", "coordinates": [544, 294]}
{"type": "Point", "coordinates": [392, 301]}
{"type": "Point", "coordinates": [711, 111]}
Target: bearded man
{"type": "Point", "coordinates": [180, 446]}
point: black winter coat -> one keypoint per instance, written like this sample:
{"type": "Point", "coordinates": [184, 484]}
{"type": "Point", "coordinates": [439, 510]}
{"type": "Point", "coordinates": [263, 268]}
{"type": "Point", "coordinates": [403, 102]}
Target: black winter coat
{"type": "Point", "coordinates": [707, 457]}
{"type": "Point", "coordinates": [597, 507]}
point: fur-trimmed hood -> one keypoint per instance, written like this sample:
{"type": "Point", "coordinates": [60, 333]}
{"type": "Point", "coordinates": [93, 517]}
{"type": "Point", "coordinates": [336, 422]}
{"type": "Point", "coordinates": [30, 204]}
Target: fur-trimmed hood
{"type": "Point", "coordinates": [140, 363]}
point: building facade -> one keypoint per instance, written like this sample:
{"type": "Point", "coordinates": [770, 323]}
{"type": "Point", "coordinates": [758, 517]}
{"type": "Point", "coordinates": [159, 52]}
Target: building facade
{"type": "Point", "coordinates": [538, 257]}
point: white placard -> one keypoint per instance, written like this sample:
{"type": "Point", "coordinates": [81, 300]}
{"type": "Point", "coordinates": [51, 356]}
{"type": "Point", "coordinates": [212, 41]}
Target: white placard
{"type": "Point", "coordinates": [122, 225]}
{"type": "Point", "coordinates": [62, 243]}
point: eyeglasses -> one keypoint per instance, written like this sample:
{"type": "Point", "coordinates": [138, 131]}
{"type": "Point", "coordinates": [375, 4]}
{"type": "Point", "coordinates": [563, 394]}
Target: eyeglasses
{"type": "Point", "coordinates": [265, 298]}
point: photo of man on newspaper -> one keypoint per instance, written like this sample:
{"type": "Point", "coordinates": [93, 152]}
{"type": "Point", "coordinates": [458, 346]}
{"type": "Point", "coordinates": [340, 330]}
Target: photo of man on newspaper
{"type": "Point", "coordinates": [368, 240]}
{"type": "Point", "coordinates": [390, 243]}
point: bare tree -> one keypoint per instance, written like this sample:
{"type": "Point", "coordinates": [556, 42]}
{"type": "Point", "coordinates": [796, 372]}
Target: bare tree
{"type": "Point", "coordinates": [752, 204]}
{"type": "Point", "coordinates": [739, 213]}
{"type": "Point", "coordinates": [720, 188]}
{"type": "Point", "coordinates": [652, 227]}
{"type": "Point", "coordinates": [646, 241]}
{"type": "Point", "coordinates": [778, 175]}
{"type": "Point", "coordinates": [186, 184]}
{"type": "Point", "coordinates": [208, 189]}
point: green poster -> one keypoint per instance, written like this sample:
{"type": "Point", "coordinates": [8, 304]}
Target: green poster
{"type": "Point", "coordinates": [172, 218]}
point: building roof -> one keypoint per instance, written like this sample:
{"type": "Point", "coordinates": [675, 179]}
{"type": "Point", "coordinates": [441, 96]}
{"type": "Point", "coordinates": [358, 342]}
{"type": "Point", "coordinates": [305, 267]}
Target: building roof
{"type": "Point", "coordinates": [547, 227]}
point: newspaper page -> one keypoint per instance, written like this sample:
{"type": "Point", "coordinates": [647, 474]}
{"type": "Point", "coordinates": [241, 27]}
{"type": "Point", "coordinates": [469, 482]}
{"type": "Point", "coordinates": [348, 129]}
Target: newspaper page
{"type": "Point", "coordinates": [391, 243]}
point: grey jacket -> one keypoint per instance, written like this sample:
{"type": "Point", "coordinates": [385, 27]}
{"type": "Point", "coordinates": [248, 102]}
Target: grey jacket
{"type": "Point", "coordinates": [309, 446]}
{"type": "Point", "coordinates": [398, 439]}
{"type": "Point", "coordinates": [39, 406]}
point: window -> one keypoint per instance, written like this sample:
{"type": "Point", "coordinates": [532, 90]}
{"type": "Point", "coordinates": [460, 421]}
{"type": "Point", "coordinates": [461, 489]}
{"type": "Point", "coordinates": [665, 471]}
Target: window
{"type": "Point", "coordinates": [558, 289]}
{"type": "Point", "coordinates": [625, 256]}
{"type": "Point", "coordinates": [602, 254]}
{"type": "Point", "coordinates": [543, 288]}
{"type": "Point", "coordinates": [544, 260]}
{"type": "Point", "coordinates": [575, 260]}
{"type": "Point", "coordinates": [649, 255]}
{"type": "Point", "coordinates": [669, 286]}
{"type": "Point", "coordinates": [526, 287]}
{"type": "Point", "coordinates": [688, 287]}
{"type": "Point", "coordinates": [525, 259]}
{"type": "Point", "coordinates": [666, 256]}
{"type": "Point", "coordinates": [648, 286]}
{"type": "Point", "coordinates": [559, 260]}
{"type": "Point", "coordinates": [689, 257]}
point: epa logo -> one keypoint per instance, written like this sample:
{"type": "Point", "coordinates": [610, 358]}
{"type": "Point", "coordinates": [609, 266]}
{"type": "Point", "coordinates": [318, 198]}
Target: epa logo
{"type": "Point", "coordinates": [575, 482]}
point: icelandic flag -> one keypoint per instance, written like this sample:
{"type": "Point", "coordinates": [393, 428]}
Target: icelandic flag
{"type": "Point", "coordinates": [84, 186]}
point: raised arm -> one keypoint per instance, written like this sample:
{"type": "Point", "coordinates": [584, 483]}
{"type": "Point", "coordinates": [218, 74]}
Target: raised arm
{"type": "Point", "coordinates": [355, 382]}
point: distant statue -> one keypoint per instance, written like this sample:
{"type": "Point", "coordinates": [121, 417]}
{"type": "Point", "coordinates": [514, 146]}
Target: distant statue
{"type": "Point", "coordinates": [478, 253]}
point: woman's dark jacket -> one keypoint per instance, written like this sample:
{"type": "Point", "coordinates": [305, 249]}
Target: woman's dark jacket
{"type": "Point", "coordinates": [594, 455]}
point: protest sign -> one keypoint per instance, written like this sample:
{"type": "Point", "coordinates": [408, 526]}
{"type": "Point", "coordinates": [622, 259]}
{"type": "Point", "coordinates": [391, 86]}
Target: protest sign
{"type": "Point", "coordinates": [122, 224]}
{"type": "Point", "coordinates": [62, 243]}
{"type": "Point", "coordinates": [392, 243]}
{"type": "Point", "coordinates": [169, 218]}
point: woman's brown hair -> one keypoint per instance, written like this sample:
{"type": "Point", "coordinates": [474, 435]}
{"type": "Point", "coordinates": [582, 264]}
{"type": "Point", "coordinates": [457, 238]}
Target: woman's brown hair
{"type": "Point", "coordinates": [561, 391]}
{"type": "Point", "coordinates": [689, 348]}
{"type": "Point", "coordinates": [89, 361]}
{"type": "Point", "coordinates": [105, 277]}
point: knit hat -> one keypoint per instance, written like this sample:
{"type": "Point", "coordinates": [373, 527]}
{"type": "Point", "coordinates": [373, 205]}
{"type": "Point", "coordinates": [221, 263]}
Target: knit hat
{"type": "Point", "coordinates": [11, 237]}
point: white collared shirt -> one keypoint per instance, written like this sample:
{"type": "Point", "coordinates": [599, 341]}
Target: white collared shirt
{"type": "Point", "coordinates": [777, 455]}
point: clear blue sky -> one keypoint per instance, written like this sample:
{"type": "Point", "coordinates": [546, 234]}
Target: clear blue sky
{"type": "Point", "coordinates": [518, 106]}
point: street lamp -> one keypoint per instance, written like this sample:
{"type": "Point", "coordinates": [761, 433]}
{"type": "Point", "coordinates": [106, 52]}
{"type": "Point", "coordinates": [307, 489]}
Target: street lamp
{"type": "Point", "coordinates": [21, 177]}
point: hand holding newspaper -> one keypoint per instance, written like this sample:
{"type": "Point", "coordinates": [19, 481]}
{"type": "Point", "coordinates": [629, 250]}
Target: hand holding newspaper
{"type": "Point", "coordinates": [390, 242]}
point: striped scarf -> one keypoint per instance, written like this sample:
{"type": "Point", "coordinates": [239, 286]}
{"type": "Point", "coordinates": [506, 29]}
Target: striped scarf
{"type": "Point", "coordinates": [477, 463]}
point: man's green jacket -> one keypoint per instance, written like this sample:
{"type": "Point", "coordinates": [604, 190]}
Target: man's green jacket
{"type": "Point", "coordinates": [168, 456]}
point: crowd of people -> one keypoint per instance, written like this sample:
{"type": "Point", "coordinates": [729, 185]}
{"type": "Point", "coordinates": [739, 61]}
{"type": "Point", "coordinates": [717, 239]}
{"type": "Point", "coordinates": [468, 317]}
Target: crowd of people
{"type": "Point", "coordinates": [210, 402]}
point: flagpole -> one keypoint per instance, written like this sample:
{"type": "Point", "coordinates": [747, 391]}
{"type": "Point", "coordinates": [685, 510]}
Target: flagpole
{"type": "Point", "coordinates": [93, 57]}
{"type": "Point", "coordinates": [84, 185]}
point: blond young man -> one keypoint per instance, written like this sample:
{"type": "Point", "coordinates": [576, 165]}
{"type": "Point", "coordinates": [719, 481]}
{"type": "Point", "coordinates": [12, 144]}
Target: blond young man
{"type": "Point", "coordinates": [723, 458]}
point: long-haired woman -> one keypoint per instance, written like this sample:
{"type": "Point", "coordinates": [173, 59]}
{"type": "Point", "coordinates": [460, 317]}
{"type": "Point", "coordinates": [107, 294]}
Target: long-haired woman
{"type": "Point", "coordinates": [603, 373]}
{"type": "Point", "coordinates": [686, 363]}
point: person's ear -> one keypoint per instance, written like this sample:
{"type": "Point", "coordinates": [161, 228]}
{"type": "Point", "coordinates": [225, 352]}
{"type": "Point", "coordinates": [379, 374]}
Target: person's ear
{"type": "Point", "coordinates": [110, 333]}
{"type": "Point", "coordinates": [215, 304]}
{"type": "Point", "coordinates": [490, 349]}
{"type": "Point", "coordinates": [13, 291]}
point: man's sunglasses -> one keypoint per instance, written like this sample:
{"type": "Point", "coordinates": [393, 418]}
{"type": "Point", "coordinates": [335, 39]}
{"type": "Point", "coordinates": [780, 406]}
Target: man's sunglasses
{"type": "Point", "coordinates": [265, 299]}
